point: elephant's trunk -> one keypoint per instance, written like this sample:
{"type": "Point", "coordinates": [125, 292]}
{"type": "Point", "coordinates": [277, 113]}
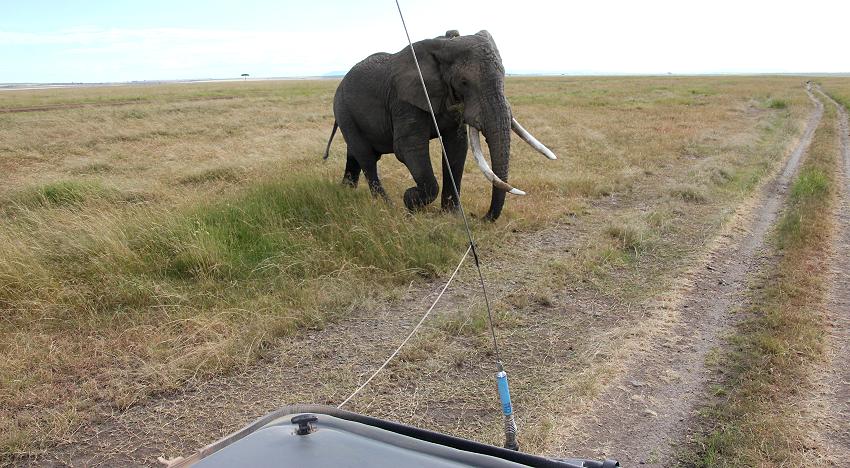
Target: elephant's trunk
{"type": "Point", "coordinates": [497, 131]}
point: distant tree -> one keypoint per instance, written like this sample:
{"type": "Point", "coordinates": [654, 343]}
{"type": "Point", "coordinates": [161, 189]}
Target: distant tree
{"type": "Point", "coordinates": [245, 76]}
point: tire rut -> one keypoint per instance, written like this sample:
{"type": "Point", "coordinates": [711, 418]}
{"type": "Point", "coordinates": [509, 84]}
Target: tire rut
{"type": "Point", "coordinates": [833, 382]}
{"type": "Point", "coordinates": [641, 416]}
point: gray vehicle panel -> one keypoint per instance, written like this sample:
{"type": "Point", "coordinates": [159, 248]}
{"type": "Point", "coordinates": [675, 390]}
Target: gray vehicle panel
{"type": "Point", "coordinates": [339, 443]}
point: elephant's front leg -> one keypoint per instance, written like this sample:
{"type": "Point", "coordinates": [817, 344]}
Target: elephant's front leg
{"type": "Point", "coordinates": [413, 150]}
{"type": "Point", "coordinates": [456, 148]}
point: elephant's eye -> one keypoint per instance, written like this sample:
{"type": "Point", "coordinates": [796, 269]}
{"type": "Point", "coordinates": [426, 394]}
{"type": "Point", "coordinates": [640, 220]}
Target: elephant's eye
{"type": "Point", "coordinates": [464, 83]}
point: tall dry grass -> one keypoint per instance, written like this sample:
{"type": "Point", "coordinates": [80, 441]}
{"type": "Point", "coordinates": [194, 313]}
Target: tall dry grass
{"type": "Point", "coordinates": [154, 235]}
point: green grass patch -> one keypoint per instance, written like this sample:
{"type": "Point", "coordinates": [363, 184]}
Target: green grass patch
{"type": "Point", "coordinates": [812, 186]}
{"type": "Point", "coordinates": [93, 168]}
{"type": "Point", "coordinates": [808, 194]}
{"type": "Point", "coordinates": [62, 193]}
{"type": "Point", "coordinates": [775, 103]}
{"type": "Point", "coordinates": [303, 228]}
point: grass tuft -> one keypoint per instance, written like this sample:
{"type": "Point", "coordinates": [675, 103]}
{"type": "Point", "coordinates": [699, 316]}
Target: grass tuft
{"type": "Point", "coordinates": [94, 168]}
{"type": "Point", "coordinates": [61, 194]}
{"type": "Point", "coordinates": [774, 103]}
{"type": "Point", "coordinates": [628, 238]}
{"type": "Point", "coordinates": [689, 194]}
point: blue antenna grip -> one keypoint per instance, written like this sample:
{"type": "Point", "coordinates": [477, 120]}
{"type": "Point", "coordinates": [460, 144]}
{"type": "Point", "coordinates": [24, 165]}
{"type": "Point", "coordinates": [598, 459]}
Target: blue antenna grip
{"type": "Point", "coordinates": [504, 392]}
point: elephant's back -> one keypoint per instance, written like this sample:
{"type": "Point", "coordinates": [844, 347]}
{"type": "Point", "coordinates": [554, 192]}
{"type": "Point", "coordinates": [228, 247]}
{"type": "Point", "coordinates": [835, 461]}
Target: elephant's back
{"type": "Point", "coordinates": [366, 81]}
{"type": "Point", "coordinates": [371, 67]}
{"type": "Point", "coordinates": [360, 104]}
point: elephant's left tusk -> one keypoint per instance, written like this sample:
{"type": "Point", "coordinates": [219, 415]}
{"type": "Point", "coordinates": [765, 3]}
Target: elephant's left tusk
{"type": "Point", "coordinates": [475, 143]}
{"type": "Point", "coordinates": [529, 138]}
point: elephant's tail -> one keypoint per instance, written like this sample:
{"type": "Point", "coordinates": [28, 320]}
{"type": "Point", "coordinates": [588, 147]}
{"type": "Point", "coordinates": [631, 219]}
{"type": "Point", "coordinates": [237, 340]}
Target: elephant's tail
{"type": "Point", "coordinates": [330, 140]}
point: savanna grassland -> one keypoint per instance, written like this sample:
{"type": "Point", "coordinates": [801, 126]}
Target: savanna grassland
{"type": "Point", "coordinates": [154, 236]}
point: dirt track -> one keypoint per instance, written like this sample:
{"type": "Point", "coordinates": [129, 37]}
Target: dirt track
{"type": "Point", "coordinates": [832, 402]}
{"type": "Point", "coordinates": [647, 411]}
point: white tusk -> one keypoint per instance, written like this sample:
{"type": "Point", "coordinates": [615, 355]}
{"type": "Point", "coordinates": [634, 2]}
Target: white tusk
{"type": "Point", "coordinates": [529, 138]}
{"type": "Point", "coordinates": [475, 143]}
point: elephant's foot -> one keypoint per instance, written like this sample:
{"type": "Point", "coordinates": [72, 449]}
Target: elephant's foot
{"type": "Point", "coordinates": [416, 198]}
{"type": "Point", "coordinates": [491, 217]}
{"type": "Point", "coordinates": [448, 201]}
{"type": "Point", "coordinates": [349, 182]}
{"type": "Point", "coordinates": [450, 206]}
{"type": "Point", "coordinates": [378, 191]}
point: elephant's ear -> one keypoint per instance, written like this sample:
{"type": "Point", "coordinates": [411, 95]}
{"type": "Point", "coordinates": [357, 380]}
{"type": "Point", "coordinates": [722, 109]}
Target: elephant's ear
{"type": "Point", "coordinates": [406, 80]}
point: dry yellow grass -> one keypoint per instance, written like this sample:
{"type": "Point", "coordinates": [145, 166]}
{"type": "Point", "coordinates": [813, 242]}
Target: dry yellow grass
{"type": "Point", "coordinates": [100, 200]}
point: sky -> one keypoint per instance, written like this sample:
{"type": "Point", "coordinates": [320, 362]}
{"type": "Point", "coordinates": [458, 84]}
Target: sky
{"type": "Point", "coordinates": [60, 41]}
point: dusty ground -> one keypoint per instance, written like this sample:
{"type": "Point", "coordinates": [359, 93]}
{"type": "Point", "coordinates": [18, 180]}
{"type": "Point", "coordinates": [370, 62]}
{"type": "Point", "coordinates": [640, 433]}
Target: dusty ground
{"type": "Point", "coordinates": [647, 411]}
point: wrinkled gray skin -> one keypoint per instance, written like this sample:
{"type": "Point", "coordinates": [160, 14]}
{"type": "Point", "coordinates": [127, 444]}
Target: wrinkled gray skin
{"type": "Point", "coordinates": [380, 108]}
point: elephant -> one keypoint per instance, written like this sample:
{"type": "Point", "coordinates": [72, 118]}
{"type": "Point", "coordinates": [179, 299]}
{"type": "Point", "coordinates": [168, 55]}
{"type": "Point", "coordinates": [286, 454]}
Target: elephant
{"type": "Point", "coordinates": [381, 108]}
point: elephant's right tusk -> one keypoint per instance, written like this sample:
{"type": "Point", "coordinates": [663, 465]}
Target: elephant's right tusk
{"type": "Point", "coordinates": [533, 142]}
{"type": "Point", "coordinates": [475, 143]}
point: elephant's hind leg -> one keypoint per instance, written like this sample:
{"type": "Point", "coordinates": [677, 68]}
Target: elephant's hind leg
{"type": "Point", "coordinates": [370, 170]}
{"type": "Point", "coordinates": [352, 172]}
{"type": "Point", "coordinates": [361, 157]}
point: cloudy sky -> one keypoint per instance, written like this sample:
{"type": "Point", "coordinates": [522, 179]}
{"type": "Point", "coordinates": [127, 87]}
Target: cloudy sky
{"type": "Point", "coordinates": [99, 41]}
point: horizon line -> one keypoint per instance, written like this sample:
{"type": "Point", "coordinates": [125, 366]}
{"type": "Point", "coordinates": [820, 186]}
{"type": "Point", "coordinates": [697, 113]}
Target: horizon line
{"type": "Point", "coordinates": [9, 85]}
